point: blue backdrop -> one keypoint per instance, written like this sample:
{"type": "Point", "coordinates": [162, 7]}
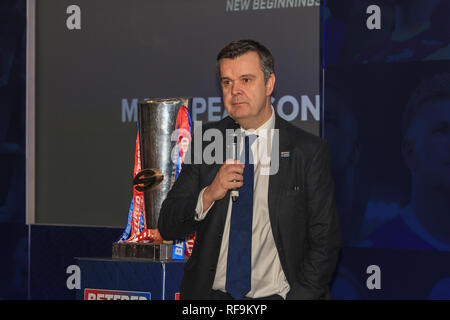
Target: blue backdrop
{"type": "Point", "coordinates": [387, 118]}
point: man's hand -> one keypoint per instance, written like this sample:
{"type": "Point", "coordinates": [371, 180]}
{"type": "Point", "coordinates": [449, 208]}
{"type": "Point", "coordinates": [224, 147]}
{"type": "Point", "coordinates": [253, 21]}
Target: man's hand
{"type": "Point", "coordinates": [229, 176]}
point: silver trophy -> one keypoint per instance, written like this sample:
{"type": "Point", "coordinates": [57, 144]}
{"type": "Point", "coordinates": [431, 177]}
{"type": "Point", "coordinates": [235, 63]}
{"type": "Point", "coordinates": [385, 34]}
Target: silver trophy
{"type": "Point", "coordinates": [160, 145]}
{"type": "Point", "coordinates": [164, 135]}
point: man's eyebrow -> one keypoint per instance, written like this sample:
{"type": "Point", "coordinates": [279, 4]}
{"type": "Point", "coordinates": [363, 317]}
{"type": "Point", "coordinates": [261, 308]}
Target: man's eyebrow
{"type": "Point", "coordinates": [248, 76]}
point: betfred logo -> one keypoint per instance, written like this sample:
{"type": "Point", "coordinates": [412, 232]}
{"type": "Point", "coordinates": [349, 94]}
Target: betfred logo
{"type": "Point", "coordinates": [100, 294]}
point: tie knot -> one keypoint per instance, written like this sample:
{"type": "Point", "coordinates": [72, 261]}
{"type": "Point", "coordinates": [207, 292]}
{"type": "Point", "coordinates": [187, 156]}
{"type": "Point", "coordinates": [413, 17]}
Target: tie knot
{"type": "Point", "coordinates": [251, 138]}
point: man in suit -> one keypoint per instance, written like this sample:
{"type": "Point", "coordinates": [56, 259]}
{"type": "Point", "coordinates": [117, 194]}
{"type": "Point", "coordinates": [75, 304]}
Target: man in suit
{"type": "Point", "coordinates": [280, 238]}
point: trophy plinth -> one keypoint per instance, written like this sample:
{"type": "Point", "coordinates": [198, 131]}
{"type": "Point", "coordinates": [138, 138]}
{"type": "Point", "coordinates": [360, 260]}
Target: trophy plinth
{"type": "Point", "coordinates": [148, 251]}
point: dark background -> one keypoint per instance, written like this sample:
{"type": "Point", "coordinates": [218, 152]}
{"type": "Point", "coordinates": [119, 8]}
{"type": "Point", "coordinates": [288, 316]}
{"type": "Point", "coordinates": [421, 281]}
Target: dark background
{"type": "Point", "coordinates": [135, 50]}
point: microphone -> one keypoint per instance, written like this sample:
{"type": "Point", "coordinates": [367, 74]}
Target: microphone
{"type": "Point", "coordinates": [235, 191]}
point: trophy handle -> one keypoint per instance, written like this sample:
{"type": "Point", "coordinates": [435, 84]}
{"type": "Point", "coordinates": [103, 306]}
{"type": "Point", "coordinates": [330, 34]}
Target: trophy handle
{"type": "Point", "coordinates": [148, 179]}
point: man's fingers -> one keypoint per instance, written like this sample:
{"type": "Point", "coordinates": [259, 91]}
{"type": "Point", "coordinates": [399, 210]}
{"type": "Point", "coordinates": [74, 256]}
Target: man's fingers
{"type": "Point", "coordinates": [234, 184]}
{"type": "Point", "coordinates": [233, 168]}
{"type": "Point", "coordinates": [231, 174]}
{"type": "Point", "coordinates": [236, 177]}
{"type": "Point", "coordinates": [233, 162]}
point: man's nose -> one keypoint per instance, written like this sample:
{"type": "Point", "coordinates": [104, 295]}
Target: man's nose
{"type": "Point", "coordinates": [236, 88]}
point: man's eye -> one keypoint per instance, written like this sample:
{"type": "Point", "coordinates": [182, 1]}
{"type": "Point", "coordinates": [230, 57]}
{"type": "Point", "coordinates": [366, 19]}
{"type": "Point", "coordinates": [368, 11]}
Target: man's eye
{"type": "Point", "coordinates": [225, 82]}
{"type": "Point", "coordinates": [247, 80]}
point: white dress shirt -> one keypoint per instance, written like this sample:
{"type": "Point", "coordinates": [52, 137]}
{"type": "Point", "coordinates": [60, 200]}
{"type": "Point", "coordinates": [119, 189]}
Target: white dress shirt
{"type": "Point", "coordinates": [267, 276]}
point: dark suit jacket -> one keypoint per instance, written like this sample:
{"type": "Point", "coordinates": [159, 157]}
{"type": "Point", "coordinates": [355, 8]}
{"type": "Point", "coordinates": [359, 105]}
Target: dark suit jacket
{"type": "Point", "coordinates": [304, 222]}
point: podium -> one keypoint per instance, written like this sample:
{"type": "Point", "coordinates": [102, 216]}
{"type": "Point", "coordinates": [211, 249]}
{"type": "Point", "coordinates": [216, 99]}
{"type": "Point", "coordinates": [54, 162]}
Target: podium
{"type": "Point", "coordinates": [132, 279]}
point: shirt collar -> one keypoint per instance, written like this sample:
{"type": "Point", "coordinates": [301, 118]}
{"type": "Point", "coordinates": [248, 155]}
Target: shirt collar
{"type": "Point", "coordinates": [262, 130]}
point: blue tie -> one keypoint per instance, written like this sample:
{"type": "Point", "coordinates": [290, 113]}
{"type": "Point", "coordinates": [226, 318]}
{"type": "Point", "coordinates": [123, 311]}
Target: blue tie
{"type": "Point", "coordinates": [239, 260]}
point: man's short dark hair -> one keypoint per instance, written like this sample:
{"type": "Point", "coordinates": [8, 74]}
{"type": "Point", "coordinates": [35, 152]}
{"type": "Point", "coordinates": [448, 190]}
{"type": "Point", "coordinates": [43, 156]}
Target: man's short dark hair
{"type": "Point", "coordinates": [237, 48]}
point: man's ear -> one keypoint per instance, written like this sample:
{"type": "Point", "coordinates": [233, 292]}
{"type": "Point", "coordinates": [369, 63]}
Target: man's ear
{"type": "Point", "coordinates": [270, 84]}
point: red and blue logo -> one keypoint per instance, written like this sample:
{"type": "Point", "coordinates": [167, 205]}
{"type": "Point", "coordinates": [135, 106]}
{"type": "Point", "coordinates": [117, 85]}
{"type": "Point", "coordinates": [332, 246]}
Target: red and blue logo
{"type": "Point", "coordinates": [102, 294]}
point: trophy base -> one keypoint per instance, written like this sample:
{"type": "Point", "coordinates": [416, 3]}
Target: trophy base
{"type": "Point", "coordinates": [148, 251]}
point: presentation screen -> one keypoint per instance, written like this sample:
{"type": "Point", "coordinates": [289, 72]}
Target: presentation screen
{"type": "Point", "coordinates": [93, 61]}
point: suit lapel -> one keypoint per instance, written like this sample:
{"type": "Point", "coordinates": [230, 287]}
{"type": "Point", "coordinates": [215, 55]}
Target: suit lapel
{"type": "Point", "coordinates": [276, 181]}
